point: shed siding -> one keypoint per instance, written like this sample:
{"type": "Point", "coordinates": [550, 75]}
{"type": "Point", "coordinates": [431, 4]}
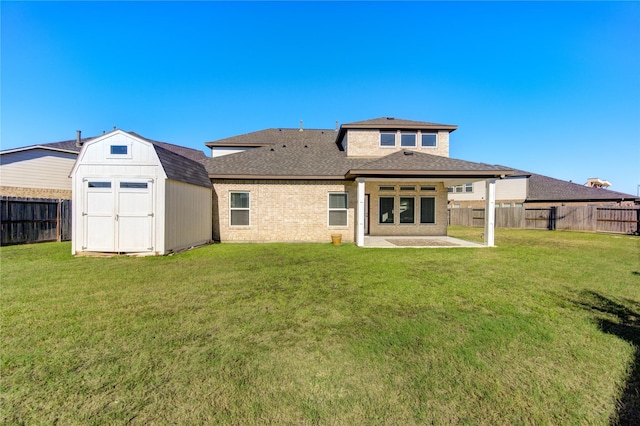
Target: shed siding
{"type": "Point", "coordinates": [37, 168]}
{"type": "Point", "coordinates": [187, 220]}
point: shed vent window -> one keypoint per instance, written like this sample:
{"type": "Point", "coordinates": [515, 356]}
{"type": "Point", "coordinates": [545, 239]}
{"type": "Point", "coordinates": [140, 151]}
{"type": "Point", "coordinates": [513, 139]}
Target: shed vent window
{"type": "Point", "coordinates": [99, 184]}
{"type": "Point", "coordinates": [119, 150]}
{"type": "Point", "coordinates": [133, 185]}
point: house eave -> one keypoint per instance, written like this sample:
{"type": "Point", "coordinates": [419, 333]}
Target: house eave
{"type": "Point", "coordinates": [45, 148]}
{"type": "Point", "coordinates": [278, 177]}
{"type": "Point", "coordinates": [436, 174]}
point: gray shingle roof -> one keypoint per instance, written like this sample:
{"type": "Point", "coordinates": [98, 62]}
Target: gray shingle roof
{"type": "Point", "coordinates": [392, 122]}
{"type": "Point", "coordinates": [182, 169]}
{"type": "Point", "coordinates": [314, 154]}
{"type": "Point", "coordinates": [545, 188]}
{"type": "Point", "coordinates": [294, 154]}
{"type": "Point", "coordinates": [418, 163]}
{"type": "Point", "coordinates": [274, 136]}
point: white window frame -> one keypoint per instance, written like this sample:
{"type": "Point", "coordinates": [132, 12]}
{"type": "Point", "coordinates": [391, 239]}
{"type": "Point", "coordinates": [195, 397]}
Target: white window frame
{"type": "Point", "coordinates": [108, 153]}
{"type": "Point", "coordinates": [395, 139]}
{"type": "Point", "coordinates": [415, 139]}
{"type": "Point", "coordinates": [422, 145]}
{"type": "Point", "coordinates": [231, 209]}
{"type": "Point", "coordinates": [330, 209]}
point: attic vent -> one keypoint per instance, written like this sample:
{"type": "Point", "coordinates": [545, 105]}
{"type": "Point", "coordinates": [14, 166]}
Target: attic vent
{"type": "Point", "coordinates": [306, 146]}
{"type": "Point", "coordinates": [272, 149]}
{"type": "Point", "coordinates": [390, 118]}
{"type": "Point", "coordinates": [284, 146]}
{"type": "Point", "coordinates": [408, 153]}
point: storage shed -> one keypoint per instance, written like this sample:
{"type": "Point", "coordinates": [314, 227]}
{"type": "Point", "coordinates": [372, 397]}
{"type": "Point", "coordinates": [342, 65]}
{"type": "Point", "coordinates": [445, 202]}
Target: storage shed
{"type": "Point", "coordinates": [135, 195]}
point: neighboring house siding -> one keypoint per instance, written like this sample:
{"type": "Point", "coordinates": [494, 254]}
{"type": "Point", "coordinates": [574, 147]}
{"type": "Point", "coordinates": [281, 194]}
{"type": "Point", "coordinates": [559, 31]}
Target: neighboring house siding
{"type": "Point", "coordinates": [282, 210]}
{"type": "Point", "coordinates": [366, 143]}
{"type": "Point", "coordinates": [510, 189]}
{"type": "Point", "coordinates": [36, 169]}
{"type": "Point", "coordinates": [417, 229]}
{"type": "Point", "coordinates": [222, 151]}
{"type": "Point", "coordinates": [187, 215]}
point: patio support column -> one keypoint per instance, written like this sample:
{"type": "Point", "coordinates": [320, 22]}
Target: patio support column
{"type": "Point", "coordinates": [490, 213]}
{"type": "Point", "coordinates": [360, 214]}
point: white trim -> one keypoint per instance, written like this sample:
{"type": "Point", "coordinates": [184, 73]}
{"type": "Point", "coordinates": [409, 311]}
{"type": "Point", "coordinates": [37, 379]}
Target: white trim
{"type": "Point", "coordinates": [345, 209]}
{"type": "Point", "coordinates": [360, 213]}
{"type": "Point", "coordinates": [490, 213]}
{"type": "Point", "coordinates": [239, 209]}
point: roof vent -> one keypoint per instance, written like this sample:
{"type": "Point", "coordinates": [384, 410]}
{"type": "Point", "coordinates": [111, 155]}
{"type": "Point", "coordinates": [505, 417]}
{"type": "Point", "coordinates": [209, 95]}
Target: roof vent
{"type": "Point", "coordinates": [78, 138]}
{"type": "Point", "coordinates": [408, 153]}
{"type": "Point", "coordinates": [306, 146]}
{"type": "Point", "coordinates": [301, 125]}
{"type": "Point", "coordinates": [390, 118]}
{"type": "Point", "coordinates": [284, 146]}
{"type": "Point", "coordinates": [272, 149]}
{"type": "Point", "coordinates": [336, 125]}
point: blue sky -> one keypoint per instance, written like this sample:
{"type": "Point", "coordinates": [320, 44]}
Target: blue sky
{"type": "Point", "coordinates": [548, 87]}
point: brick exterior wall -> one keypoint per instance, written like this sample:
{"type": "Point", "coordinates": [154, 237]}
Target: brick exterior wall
{"type": "Point", "coordinates": [61, 194]}
{"type": "Point", "coordinates": [366, 143]}
{"type": "Point", "coordinates": [415, 229]}
{"type": "Point", "coordinates": [282, 210]}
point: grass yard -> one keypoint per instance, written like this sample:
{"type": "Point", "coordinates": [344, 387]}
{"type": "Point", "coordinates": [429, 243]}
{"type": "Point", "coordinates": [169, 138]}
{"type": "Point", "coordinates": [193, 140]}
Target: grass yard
{"type": "Point", "coordinates": [543, 329]}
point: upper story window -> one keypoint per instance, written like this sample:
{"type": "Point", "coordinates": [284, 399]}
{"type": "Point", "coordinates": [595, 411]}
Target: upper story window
{"type": "Point", "coordinates": [429, 140]}
{"type": "Point", "coordinates": [387, 139]}
{"type": "Point", "coordinates": [408, 139]}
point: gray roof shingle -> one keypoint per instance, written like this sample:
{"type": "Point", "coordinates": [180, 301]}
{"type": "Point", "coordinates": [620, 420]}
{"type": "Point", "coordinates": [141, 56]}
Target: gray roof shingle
{"type": "Point", "coordinates": [275, 136]}
{"type": "Point", "coordinates": [545, 188]}
{"type": "Point", "coordinates": [182, 169]}
{"type": "Point", "coordinates": [392, 122]}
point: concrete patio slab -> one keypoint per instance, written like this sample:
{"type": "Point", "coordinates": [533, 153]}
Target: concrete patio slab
{"type": "Point", "coordinates": [417, 242]}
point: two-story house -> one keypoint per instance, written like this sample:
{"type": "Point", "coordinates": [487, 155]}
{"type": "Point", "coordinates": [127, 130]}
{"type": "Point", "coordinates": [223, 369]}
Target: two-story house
{"type": "Point", "coordinates": [379, 177]}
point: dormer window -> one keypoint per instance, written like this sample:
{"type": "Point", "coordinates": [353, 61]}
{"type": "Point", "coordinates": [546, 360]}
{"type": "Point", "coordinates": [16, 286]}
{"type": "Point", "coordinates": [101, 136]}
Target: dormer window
{"type": "Point", "coordinates": [408, 139]}
{"type": "Point", "coordinates": [387, 139]}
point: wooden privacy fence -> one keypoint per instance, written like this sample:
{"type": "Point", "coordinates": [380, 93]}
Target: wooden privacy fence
{"type": "Point", "coordinates": [32, 220]}
{"type": "Point", "coordinates": [618, 220]}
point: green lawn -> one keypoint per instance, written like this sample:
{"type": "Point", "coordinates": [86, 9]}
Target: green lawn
{"type": "Point", "coordinates": [542, 329]}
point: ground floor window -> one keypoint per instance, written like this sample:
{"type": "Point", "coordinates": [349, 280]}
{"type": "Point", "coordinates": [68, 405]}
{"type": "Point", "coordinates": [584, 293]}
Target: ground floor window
{"type": "Point", "coordinates": [386, 209]}
{"type": "Point", "coordinates": [239, 208]}
{"type": "Point", "coordinates": [407, 209]}
{"type": "Point", "coordinates": [338, 215]}
{"type": "Point", "coordinates": [427, 210]}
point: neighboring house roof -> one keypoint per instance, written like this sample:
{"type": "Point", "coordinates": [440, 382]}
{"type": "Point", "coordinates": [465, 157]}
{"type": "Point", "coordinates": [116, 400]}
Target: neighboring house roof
{"type": "Point", "coordinates": [68, 146]}
{"type": "Point", "coordinates": [545, 188]}
{"type": "Point", "coordinates": [295, 154]}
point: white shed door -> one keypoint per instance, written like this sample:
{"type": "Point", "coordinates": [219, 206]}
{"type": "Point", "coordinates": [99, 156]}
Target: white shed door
{"type": "Point", "coordinates": [119, 215]}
